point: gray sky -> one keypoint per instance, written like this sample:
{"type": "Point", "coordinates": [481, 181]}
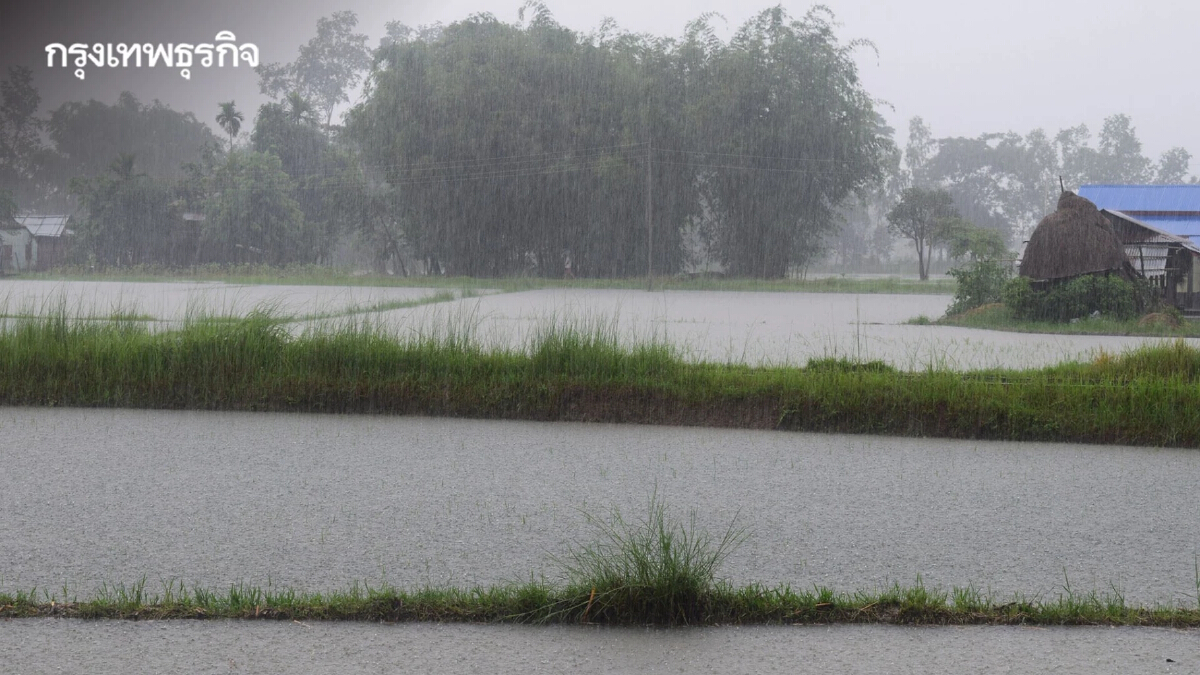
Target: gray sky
{"type": "Point", "coordinates": [966, 67]}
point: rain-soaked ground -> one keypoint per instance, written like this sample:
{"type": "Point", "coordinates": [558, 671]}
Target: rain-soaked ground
{"type": "Point", "coordinates": [29, 647]}
{"type": "Point", "coordinates": [773, 328]}
{"type": "Point", "coordinates": [317, 502]}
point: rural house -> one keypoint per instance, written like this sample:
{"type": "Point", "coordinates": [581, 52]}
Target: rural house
{"type": "Point", "coordinates": [50, 235]}
{"type": "Point", "coordinates": [1079, 238]}
{"type": "Point", "coordinates": [1160, 228]}
{"type": "Point", "coordinates": [16, 248]}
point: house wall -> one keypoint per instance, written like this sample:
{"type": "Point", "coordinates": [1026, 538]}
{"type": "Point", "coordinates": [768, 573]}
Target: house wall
{"type": "Point", "coordinates": [48, 252]}
{"type": "Point", "coordinates": [20, 242]}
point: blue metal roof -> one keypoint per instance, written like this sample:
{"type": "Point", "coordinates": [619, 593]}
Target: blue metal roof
{"type": "Point", "coordinates": [1172, 208]}
{"type": "Point", "coordinates": [1142, 198]}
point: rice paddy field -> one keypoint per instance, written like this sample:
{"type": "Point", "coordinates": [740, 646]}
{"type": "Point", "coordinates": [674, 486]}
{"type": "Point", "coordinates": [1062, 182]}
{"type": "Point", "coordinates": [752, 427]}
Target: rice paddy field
{"type": "Point", "coordinates": [980, 504]}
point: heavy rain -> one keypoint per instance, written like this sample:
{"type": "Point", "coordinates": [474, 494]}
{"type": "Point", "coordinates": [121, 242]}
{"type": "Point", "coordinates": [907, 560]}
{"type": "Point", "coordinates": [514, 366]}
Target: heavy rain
{"type": "Point", "coordinates": [689, 336]}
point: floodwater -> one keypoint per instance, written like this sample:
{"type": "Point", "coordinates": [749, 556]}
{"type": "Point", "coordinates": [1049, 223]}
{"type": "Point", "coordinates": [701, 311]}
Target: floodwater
{"type": "Point", "coordinates": [765, 328]}
{"type": "Point", "coordinates": [30, 647]}
{"type": "Point", "coordinates": [175, 301]}
{"type": "Point", "coordinates": [754, 328]}
{"type": "Point", "coordinates": [318, 502]}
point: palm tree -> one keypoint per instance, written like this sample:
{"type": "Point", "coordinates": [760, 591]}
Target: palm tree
{"type": "Point", "coordinates": [230, 119]}
{"type": "Point", "coordinates": [298, 108]}
{"type": "Point", "coordinates": [122, 166]}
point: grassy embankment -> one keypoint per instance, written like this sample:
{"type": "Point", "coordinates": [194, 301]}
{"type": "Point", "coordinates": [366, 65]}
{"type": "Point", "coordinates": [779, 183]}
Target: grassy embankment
{"type": "Point", "coordinates": [657, 572]}
{"type": "Point", "coordinates": [999, 317]}
{"type": "Point", "coordinates": [326, 276]}
{"type": "Point", "coordinates": [1147, 397]}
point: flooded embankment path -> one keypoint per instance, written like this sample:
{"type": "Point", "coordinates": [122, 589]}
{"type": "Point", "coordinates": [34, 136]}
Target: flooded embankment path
{"type": "Point", "coordinates": [318, 502]}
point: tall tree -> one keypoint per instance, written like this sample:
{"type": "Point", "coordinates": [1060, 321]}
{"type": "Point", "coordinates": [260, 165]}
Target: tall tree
{"type": "Point", "coordinates": [922, 216]}
{"type": "Point", "coordinates": [230, 119]}
{"type": "Point", "coordinates": [329, 65]}
{"type": "Point", "coordinates": [1173, 167]}
{"type": "Point", "coordinates": [26, 164]}
{"type": "Point", "coordinates": [125, 215]}
{"type": "Point", "coordinates": [87, 136]}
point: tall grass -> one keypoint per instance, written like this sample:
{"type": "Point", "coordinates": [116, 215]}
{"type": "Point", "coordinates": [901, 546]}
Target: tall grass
{"type": "Point", "coordinates": [659, 570]}
{"type": "Point", "coordinates": [580, 371]}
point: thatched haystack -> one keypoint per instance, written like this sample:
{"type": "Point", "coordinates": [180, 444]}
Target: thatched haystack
{"type": "Point", "coordinates": [1074, 240]}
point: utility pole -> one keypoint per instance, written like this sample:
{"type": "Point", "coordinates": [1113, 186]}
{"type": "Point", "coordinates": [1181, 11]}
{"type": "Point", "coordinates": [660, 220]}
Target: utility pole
{"type": "Point", "coordinates": [649, 218]}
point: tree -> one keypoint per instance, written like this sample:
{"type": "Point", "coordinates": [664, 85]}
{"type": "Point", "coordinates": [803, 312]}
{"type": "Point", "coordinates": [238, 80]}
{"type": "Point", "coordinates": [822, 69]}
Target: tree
{"type": "Point", "coordinates": [8, 207]}
{"type": "Point", "coordinates": [922, 215]}
{"type": "Point", "coordinates": [230, 119]}
{"type": "Point", "coordinates": [299, 110]}
{"type": "Point", "coordinates": [328, 67]}
{"type": "Point", "coordinates": [25, 162]}
{"type": "Point", "coordinates": [1120, 157]}
{"type": "Point", "coordinates": [1173, 167]}
{"type": "Point", "coordinates": [781, 104]}
{"type": "Point", "coordinates": [251, 215]}
{"type": "Point", "coordinates": [87, 136]}
{"type": "Point", "coordinates": [318, 169]}
{"type": "Point", "coordinates": [125, 216]}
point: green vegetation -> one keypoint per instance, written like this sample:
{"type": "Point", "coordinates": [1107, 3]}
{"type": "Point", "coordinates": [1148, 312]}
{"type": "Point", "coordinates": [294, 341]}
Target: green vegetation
{"type": "Point", "coordinates": [999, 317]}
{"type": "Point", "coordinates": [316, 275]}
{"type": "Point", "coordinates": [980, 283]}
{"type": "Point", "coordinates": [541, 603]}
{"type": "Point", "coordinates": [583, 373]}
{"type": "Point", "coordinates": [1105, 295]}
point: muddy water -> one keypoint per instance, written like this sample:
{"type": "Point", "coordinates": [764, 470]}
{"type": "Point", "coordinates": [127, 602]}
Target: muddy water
{"type": "Point", "coordinates": [318, 502]}
{"type": "Point", "coordinates": [29, 647]}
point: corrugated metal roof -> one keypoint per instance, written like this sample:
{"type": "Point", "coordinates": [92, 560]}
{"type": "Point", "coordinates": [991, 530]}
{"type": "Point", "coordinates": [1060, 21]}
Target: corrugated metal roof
{"type": "Point", "coordinates": [1154, 225]}
{"type": "Point", "coordinates": [44, 226]}
{"type": "Point", "coordinates": [1139, 198]}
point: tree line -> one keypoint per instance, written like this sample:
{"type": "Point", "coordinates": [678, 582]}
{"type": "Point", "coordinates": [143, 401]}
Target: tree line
{"type": "Point", "coordinates": [489, 148]}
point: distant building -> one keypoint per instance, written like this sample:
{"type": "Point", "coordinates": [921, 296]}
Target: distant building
{"type": "Point", "coordinates": [16, 248]}
{"type": "Point", "coordinates": [49, 240]}
{"type": "Point", "coordinates": [1174, 209]}
{"type": "Point", "coordinates": [1160, 228]}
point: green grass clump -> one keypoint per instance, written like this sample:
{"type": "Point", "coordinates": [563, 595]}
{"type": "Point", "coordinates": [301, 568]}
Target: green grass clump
{"type": "Point", "coordinates": [657, 571]}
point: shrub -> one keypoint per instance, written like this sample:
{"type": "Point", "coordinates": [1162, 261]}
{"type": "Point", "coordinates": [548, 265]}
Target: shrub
{"type": "Point", "coordinates": [1109, 295]}
{"type": "Point", "coordinates": [979, 283]}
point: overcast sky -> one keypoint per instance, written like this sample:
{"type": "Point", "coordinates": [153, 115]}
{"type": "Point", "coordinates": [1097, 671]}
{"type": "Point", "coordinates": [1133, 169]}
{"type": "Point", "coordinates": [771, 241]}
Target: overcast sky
{"type": "Point", "coordinates": [966, 67]}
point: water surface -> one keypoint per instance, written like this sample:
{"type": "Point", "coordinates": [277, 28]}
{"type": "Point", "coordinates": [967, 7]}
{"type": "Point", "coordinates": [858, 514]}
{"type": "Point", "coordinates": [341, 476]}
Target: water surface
{"type": "Point", "coordinates": [34, 646]}
{"type": "Point", "coordinates": [320, 501]}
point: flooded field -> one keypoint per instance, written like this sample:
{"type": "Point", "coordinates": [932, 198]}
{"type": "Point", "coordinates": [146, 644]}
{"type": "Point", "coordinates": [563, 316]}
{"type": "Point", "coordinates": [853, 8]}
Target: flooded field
{"type": "Point", "coordinates": [318, 502]}
{"type": "Point", "coordinates": [36, 646]}
{"type": "Point", "coordinates": [755, 328]}
{"type": "Point", "coordinates": [179, 300]}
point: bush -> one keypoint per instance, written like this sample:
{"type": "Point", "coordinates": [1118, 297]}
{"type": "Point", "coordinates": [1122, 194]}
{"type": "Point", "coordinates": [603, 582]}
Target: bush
{"type": "Point", "coordinates": [979, 283]}
{"type": "Point", "coordinates": [1109, 295]}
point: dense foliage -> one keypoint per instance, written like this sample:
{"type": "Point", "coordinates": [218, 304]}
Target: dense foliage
{"type": "Point", "coordinates": [1109, 295]}
{"type": "Point", "coordinates": [605, 136]}
{"type": "Point", "coordinates": [981, 282]}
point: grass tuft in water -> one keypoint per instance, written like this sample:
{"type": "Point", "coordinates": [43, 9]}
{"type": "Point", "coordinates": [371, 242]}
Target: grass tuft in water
{"type": "Point", "coordinates": [658, 571]}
